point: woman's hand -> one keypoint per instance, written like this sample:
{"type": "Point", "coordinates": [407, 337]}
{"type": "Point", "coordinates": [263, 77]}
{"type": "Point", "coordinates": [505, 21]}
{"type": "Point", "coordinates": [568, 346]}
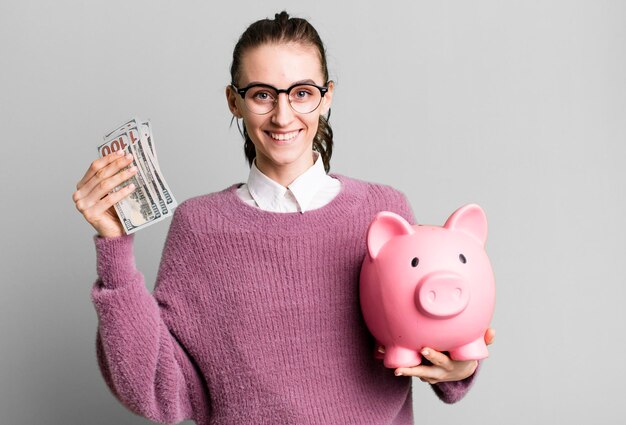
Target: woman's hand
{"type": "Point", "coordinates": [443, 367]}
{"type": "Point", "coordinates": [93, 196]}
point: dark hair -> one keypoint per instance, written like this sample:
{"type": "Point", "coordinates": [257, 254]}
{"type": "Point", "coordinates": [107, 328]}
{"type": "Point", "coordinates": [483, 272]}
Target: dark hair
{"type": "Point", "coordinates": [283, 29]}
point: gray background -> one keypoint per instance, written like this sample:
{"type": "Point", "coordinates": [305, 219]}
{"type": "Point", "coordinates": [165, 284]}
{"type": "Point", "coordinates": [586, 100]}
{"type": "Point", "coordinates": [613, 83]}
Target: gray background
{"type": "Point", "coordinates": [519, 106]}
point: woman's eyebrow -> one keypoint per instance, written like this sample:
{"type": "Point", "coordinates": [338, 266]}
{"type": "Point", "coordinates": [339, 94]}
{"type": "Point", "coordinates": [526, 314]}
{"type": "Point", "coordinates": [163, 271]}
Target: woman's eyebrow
{"type": "Point", "coordinates": [307, 81]}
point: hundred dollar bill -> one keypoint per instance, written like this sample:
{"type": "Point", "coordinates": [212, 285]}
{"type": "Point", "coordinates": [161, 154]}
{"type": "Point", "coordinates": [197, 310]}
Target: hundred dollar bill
{"type": "Point", "coordinates": [146, 133]}
{"type": "Point", "coordinates": [138, 148]}
{"type": "Point", "coordinates": [137, 209]}
{"type": "Point", "coordinates": [152, 200]}
{"type": "Point", "coordinates": [148, 140]}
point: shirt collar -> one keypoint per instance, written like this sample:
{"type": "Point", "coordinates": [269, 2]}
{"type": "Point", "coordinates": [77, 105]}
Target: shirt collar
{"type": "Point", "coordinates": [268, 194]}
{"type": "Point", "coordinates": [309, 183]}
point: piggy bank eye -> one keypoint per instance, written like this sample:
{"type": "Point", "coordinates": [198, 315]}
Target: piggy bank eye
{"type": "Point", "coordinates": [415, 261]}
{"type": "Point", "coordinates": [462, 258]}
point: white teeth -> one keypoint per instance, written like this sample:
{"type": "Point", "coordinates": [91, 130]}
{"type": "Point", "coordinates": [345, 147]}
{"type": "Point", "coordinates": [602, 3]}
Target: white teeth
{"type": "Point", "coordinates": [284, 136]}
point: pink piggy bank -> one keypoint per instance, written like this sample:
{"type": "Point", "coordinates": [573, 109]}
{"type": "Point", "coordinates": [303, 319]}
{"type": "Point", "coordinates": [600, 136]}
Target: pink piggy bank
{"type": "Point", "coordinates": [428, 286]}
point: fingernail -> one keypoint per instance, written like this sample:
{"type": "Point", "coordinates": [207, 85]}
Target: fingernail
{"type": "Point", "coordinates": [119, 152]}
{"type": "Point", "coordinates": [381, 350]}
{"type": "Point", "coordinates": [129, 156]}
{"type": "Point", "coordinates": [425, 352]}
{"type": "Point", "coordinates": [398, 373]}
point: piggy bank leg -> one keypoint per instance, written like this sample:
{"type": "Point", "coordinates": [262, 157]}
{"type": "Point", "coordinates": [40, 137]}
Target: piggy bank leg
{"type": "Point", "coordinates": [396, 356]}
{"type": "Point", "coordinates": [475, 350]}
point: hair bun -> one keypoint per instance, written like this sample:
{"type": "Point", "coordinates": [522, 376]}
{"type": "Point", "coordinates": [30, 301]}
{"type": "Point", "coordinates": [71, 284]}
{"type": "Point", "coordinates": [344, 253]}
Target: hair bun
{"type": "Point", "coordinates": [281, 17]}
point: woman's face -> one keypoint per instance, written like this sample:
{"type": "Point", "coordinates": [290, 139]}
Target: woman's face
{"type": "Point", "coordinates": [283, 138]}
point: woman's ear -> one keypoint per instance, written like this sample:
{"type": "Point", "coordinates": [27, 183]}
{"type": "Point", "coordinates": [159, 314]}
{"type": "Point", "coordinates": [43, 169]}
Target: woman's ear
{"type": "Point", "coordinates": [231, 98]}
{"type": "Point", "coordinates": [327, 100]}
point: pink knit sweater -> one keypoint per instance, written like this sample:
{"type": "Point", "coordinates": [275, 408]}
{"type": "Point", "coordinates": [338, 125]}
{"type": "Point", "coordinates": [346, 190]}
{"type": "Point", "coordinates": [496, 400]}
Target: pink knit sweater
{"type": "Point", "coordinates": [254, 317]}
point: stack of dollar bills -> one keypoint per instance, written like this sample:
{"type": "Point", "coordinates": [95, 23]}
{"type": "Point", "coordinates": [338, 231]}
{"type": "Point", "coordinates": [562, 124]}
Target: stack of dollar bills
{"type": "Point", "coordinates": [152, 199]}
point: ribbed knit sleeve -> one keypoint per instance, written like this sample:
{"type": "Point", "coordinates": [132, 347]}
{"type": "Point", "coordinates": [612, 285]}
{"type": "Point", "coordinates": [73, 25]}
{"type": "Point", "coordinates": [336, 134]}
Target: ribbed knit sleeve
{"type": "Point", "coordinates": [140, 360]}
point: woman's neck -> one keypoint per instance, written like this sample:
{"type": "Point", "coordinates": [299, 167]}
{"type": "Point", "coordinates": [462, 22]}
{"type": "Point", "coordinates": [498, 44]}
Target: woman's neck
{"type": "Point", "coordinates": [284, 174]}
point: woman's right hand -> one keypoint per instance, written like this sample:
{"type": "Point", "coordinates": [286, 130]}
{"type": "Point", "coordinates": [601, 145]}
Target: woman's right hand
{"type": "Point", "coordinates": [93, 196]}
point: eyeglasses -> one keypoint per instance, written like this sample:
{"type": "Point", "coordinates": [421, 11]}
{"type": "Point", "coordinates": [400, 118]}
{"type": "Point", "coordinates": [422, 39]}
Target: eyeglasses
{"type": "Point", "coordinates": [261, 99]}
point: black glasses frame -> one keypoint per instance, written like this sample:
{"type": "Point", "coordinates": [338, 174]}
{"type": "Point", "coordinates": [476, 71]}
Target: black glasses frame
{"type": "Point", "coordinates": [242, 92]}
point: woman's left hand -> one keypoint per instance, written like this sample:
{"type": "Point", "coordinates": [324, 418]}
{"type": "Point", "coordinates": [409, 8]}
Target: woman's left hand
{"type": "Point", "coordinates": [443, 367]}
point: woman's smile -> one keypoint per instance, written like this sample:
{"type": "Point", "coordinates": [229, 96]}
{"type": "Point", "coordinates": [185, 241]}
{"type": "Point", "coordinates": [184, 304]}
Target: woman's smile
{"type": "Point", "coordinates": [283, 137]}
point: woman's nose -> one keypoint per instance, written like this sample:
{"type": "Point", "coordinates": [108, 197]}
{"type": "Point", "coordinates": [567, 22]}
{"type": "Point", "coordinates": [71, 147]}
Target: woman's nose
{"type": "Point", "coordinates": [282, 113]}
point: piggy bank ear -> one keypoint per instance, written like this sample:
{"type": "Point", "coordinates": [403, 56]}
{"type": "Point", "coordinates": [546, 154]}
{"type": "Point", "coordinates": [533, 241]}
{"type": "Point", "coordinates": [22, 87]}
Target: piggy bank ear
{"type": "Point", "coordinates": [386, 225]}
{"type": "Point", "coordinates": [470, 219]}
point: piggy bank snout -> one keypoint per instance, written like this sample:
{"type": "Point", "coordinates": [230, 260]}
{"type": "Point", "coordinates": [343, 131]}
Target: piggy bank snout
{"type": "Point", "coordinates": [442, 295]}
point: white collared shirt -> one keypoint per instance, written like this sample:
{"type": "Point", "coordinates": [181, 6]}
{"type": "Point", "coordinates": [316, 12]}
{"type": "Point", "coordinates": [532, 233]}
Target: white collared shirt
{"type": "Point", "coordinates": [311, 190]}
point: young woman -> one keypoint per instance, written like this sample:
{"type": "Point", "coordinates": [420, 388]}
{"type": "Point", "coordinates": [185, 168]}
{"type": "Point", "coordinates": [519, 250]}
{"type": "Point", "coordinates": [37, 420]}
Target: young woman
{"type": "Point", "coordinates": [255, 316]}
